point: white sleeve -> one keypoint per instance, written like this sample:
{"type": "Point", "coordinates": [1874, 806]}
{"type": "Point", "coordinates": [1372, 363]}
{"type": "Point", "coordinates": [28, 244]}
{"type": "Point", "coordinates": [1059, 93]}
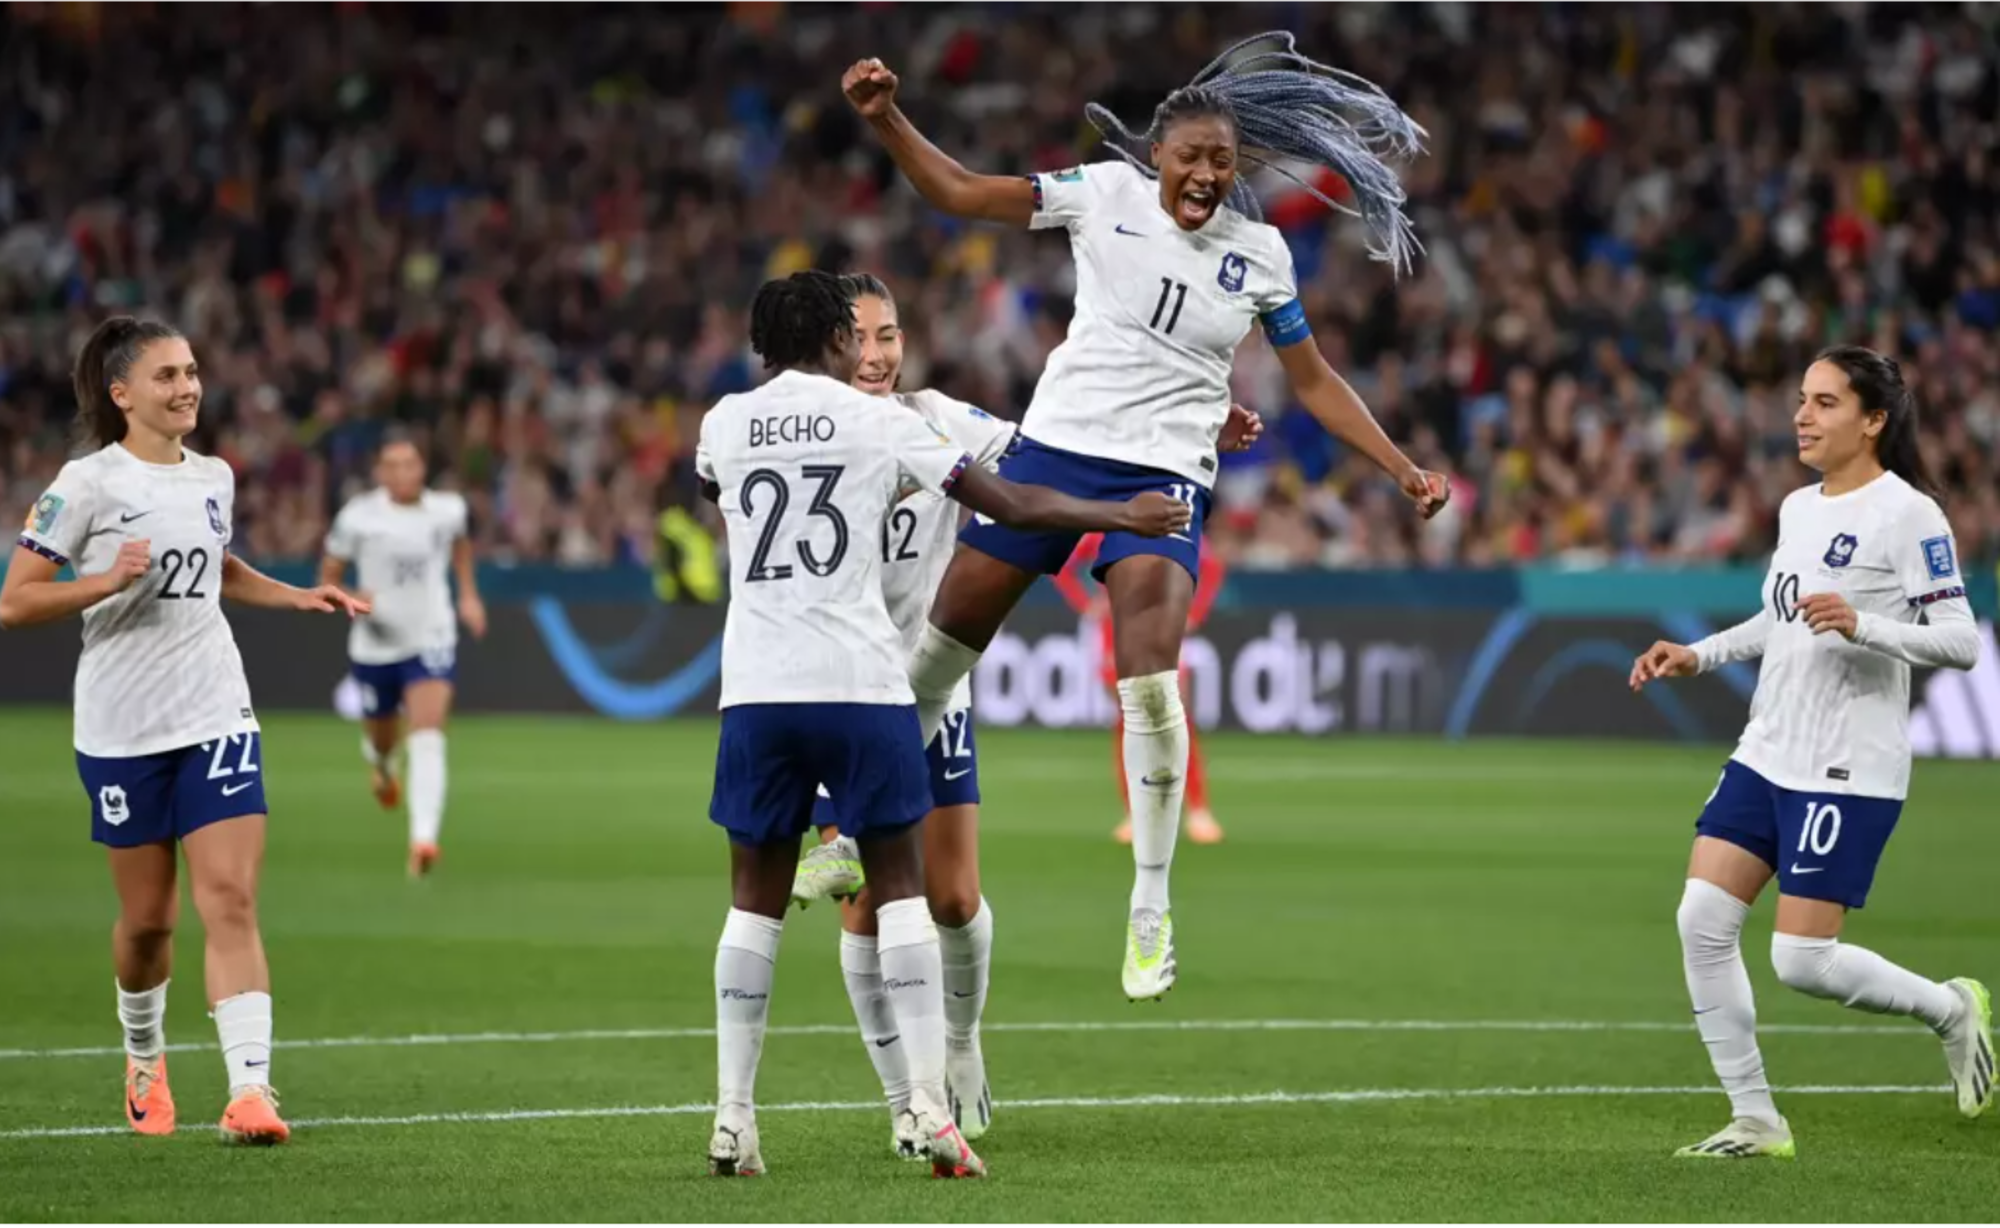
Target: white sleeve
{"type": "Point", "coordinates": [1742, 642]}
{"type": "Point", "coordinates": [925, 458]}
{"type": "Point", "coordinates": [60, 520]}
{"type": "Point", "coordinates": [1062, 198]}
{"type": "Point", "coordinates": [1927, 565]}
{"type": "Point", "coordinates": [343, 538]}
{"type": "Point", "coordinates": [704, 459]}
{"type": "Point", "coordinates": [460, 519]}
{"type": "Point", "coordinates": [972, 428]}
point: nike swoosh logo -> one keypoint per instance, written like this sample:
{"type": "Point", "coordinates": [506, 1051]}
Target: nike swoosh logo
{"type": "Point", "coordinates": [956, 994]}
{"type": "Point", "coordinates": [1120, 228]}
{"type": "Point", "coordinates": [1704, 1010]}
{"type": "Point", "coordinates": [884, 1044]}
{"type": "Point", "coordinates": [233, 790]}
{"type": "Point", "coordinates": [248, 1062]}
{"type": "Point", "coordinates": [129, 517]}
{"type": "Point", "coordinates": [1799, 869]}
{"type": "Point", "coordinates": [958, 774]}
{"type": "Point", "coordinates": [132, 1106]}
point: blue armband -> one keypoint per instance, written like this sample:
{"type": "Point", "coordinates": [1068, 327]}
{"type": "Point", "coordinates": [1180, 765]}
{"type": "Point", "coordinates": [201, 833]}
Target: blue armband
{"type": "Point", "coordinates": [1286, 325]}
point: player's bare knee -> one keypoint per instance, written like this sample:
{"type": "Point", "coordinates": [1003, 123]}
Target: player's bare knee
{"type": "Point", "coordinates": [149, 931]}
{"type": "Point", "coordinates": [955, 901]}
{"type": "Point", "coordinates": [228, 906]}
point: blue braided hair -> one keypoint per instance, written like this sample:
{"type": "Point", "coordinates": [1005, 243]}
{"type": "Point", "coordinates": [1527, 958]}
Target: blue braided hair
{"type": "Point", "coordinates": [1283, 105]}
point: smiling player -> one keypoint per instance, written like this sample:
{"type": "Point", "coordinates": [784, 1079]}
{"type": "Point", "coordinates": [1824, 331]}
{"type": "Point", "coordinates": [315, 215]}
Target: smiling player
{"type": "Point", "coordinates": [1864, 584]}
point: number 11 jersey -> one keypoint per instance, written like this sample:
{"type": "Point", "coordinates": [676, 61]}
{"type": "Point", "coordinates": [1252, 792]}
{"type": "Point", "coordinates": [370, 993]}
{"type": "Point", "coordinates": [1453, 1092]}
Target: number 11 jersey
{"type": "Point", "coordinates": [159, 670]}
{"type": "Point", "coordinates": [806, 471]}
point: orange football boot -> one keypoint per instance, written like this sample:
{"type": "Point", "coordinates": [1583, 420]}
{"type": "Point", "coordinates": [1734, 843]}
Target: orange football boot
{"type": "Point", "coordinates": [149, 1104]}
{"type": "Point", "coordinates": [422, 858]}
{"type": "Point", "coordinates": [252, 1119]}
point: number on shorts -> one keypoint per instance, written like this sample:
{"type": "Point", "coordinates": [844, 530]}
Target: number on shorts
{"type": "Point", "coordinates": [957, 734]}
{"type": "Point", "coordinates": [1821, 819]}
{"type": "Point", "coordinates": [217, 769]}
{"type": "Point", "coordinates": [436, 660]}
{"type": "Point", "coordinates": [1182, 492]}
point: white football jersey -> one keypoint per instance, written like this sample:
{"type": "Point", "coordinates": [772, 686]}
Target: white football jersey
{"type": "Point", "coordinates": [1143, 376]}
{"type": "Point", "coordinates": [402, 560]}
{"type": "Point", "coordinates": [159, 669]}
{"type": "Point", "coordinates": [922, 530]}
{"type": "Point", "coordinates": [808, 470]}
{"type": "Point", "coordinates": [1830, 716]}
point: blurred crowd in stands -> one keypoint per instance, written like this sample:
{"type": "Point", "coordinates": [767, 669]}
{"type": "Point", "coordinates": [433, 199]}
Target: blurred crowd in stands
{"type": "Point", "coordinates": [530, 232]}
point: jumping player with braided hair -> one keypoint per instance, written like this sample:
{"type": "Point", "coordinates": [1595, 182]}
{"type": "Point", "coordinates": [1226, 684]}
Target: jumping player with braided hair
{"type": "Point", "coordinates": [815, 687]}
{"type": "Point", "coordinates": [1863, 585]}
{"type": "Point", "coordinates": [166, 742]}
{"type": "Point", "coordinates": [1172, 269]}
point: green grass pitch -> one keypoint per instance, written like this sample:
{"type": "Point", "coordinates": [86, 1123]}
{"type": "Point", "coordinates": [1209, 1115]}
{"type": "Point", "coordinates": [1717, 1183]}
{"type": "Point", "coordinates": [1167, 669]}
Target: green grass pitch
{"type": "Point", "coordinates": [1419, 981]}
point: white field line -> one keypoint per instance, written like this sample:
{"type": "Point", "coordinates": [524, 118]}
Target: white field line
{"type": "Point", "coordinates": [1061, 1027]}
{"type": "Point", "coordinates": [1354, 1096]}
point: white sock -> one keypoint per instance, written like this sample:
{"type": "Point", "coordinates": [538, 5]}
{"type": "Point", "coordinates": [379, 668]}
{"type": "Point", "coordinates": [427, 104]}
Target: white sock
{"type": "Point", "coordinates": [243, 1025]}
{"type": "Point", "coordinates": [968, 954]}
{"type": "Point", "coordinates": [913, 976]}
{"type": "Point", "coordinates": [936, 667]}
{"type": "Point", "coordinates": [1711, 925]}
{"type": "Point", "coordinates": [861, 968]}
{"type": "Point", "coordinates": [1857, 977]}
{"type": "Point", "coordinates": [745, 963]}
{"type": "Point", "coordinates": [1156, 756]}
{"type": "Point", "coordinates": [143, 1015]}
{"type": "Point", "coordinates": [427, 781]}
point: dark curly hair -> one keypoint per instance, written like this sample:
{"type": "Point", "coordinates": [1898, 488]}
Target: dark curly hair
{"type": "Point", "coordinates": [794, 320]}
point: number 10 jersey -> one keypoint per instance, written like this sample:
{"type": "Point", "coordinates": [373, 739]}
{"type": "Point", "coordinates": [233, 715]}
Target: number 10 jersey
{"type": "Point", "coordinates": [159, 670]}
{"type": "Point", "coordinates": [807, 471]}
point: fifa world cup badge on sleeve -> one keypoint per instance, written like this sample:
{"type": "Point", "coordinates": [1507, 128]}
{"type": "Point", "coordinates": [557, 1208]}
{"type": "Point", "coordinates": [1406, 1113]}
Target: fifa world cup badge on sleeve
{"type": "Point", "coordinates": [1939, 558]}
{"type": "Point", "coordinates": [42, 516]}
{"type": "Point", "coordinates": [215, 521]}
{"type": "Point", "coordinates": [1073, 175]}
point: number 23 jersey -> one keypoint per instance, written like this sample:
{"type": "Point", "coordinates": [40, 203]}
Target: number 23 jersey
{"type": "Point", "coordinates": [807, 471]}
{"type": "Point", "coordinates": [1831, 716]}
{"type": "Point", "coordinates": [159, 670]}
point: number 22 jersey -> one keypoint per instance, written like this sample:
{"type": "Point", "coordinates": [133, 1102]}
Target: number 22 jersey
{"type": "Point", "coordinates": [807, 470]}
{"type": "Point", "coordinates": [159, 670]}
{"type": "Point", "coordinates": [1830, 716]}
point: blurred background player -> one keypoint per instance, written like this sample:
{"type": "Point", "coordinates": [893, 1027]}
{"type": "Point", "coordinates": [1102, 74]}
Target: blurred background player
{"type": "Point", "coordinates": [166, 742]}
{"type": "Point", "coordinates": [1093, 606]}
{"type": "Point", "coordinates": [1864, 584]}
{"type": "Point", "coordinates": [916, 544]}
{"type": "Point", "coordinates": [1170, 275]}
{"type": "Point", "coordinates": [806, 471]}
{"type": "Point", "coordinates": [406, 543]}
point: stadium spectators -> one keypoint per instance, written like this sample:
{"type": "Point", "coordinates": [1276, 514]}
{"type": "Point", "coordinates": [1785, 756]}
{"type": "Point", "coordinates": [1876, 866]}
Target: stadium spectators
{"type": "Point", "coordinates": [528, 234]}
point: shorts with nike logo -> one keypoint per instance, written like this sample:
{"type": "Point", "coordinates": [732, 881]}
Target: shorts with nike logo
{"type": "Point", "coordinates": [1824, 846]}
{"type": "Point", "coordinates": [1086, 477]}
{"type": "Point", "coordinates": [953, 757]}
{"type": "Point", "coordinates": [146, 799]}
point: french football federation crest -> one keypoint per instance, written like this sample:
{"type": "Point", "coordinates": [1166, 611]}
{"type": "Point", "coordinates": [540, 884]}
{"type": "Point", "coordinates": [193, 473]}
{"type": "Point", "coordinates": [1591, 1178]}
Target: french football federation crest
{"type": "Point", "coordinates": [1234, 269]}
{"type": "Point", "coordinates": [1841, 552]}
{"type": "Point", "coordinates": [215, 520]}
{"type": "Point", "coordinates": [111, 804]}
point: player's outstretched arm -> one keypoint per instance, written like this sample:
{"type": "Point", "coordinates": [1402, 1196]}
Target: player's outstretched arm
{"type": "Point", "coordinates": [1338, 408]}
{"type": "Point", "coordinates": [245, 584]}
{"type": "Point", "coordinates": [1019, 506]}
{"type": "Point", "coordinates": [32, 594]}
{"type": "Point", "coordinates": [871, 89]}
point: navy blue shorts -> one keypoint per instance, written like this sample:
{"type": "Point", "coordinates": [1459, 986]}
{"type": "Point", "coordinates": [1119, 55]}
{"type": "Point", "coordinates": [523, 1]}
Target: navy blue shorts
{"type": "Point", "coordinates": [773, 757]}
{"type": "Point", "coordinates": [1824, 846]}
{"type": "Point", "coordinates": [382, 685]}
{"type": "Point", "coordinates": [1086, 477]}
{"type": "Point", "coordinates": [150, 798]}
{"type": "Point", "coordinates": [953, 757]}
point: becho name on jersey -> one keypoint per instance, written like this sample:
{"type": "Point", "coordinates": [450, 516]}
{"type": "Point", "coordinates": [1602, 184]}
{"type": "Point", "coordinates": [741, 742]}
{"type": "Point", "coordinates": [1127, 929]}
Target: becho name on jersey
{"type": "Point", "coordinates": [791, 428]}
